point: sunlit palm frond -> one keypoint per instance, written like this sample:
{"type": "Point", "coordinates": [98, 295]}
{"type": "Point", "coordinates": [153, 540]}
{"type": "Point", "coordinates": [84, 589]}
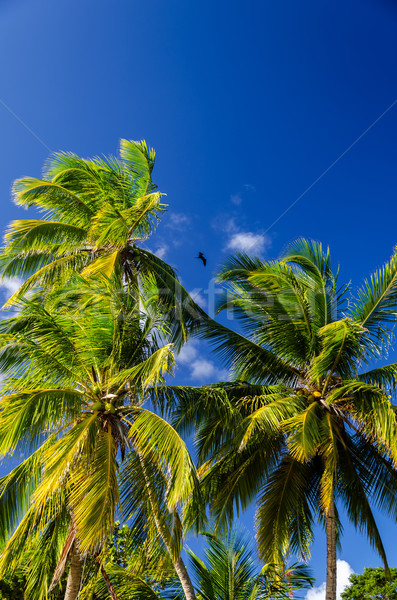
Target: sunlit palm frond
{"type": "Point", "coordinates": [150, 431]}
{"type": "Point", "coordinates": [94, 497]}
{"type": "Point", "coordinates": [375, 306]}
{"type": "Point", "coordinates": [340, 351]}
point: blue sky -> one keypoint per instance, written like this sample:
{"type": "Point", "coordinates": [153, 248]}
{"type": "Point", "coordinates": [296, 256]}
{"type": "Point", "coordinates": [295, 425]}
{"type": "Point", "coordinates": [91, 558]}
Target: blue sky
{"type": "Point", "coordinates": [246, 103]}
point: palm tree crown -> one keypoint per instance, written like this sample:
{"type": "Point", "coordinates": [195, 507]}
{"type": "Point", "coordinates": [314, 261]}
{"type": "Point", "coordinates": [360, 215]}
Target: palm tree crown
{"type": "Point", "coordinates": [78, 372]}
{"type": "Point", "coordinates": [97, 214]}
{"type": "Point", "coordinates": [307, 420]}
{"type": "Point", "coordinates": [95, 210]}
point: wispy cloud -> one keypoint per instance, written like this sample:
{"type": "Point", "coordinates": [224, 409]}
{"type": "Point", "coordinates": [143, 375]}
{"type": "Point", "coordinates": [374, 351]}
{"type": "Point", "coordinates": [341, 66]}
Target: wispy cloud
{"type": "Point", "coordinates": [9, 286]}
{"type": "Point", "coordinates": [344, 571]}
{"type": "Point", "coordinates": [238, 238]}
{"type": "Point", "coordinates": [198, 297]}
{"type": "Point", "coordinates": [248, 241]}
{"type": "Point", "coordinates": [188, 353]}
{"type": "Point", "coordinates": [204, 370]}
{"type": "Point", "coordinates": [239, 197]}
{"type": "Point", "coordinates": [178, 221]}
{"type": "Point", "coordinates": [201, 370]}
{"type": "Point", "coordinates": [236, 199]}
{"type": "Point", "coordinates": [225, 223]}
{"type": "Point", "coordinates": [161, 251]}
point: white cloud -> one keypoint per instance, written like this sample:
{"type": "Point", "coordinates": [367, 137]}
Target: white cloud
{"type": "Point", "coordinates": [344, 571]}
{"type": "Point", "coordinates": [9, 286]}
{"type": "Point", "coordinates": [198, 297]}
{"type": "Point", "coordinates": [161, 251]}
{"type": "Point", "coordinates": [238, 198]}
{"type": "Point", "coordinates": [317, 593]}
{"type": "Point", "coordinates": [238, 240]}
{"type": "Point", "coordinates": [247, 241]}
{"type": "Point", "coordinates": [200, 368]}
{"type": "Point", "coordinates": [188, 353]}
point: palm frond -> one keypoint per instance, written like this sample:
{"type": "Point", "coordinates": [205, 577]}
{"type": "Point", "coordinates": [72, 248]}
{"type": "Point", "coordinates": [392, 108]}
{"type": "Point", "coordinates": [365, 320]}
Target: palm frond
{"type": "Point", "coordinates": [277, 409]}
{"type": "Point", "coordinates": [340, 350]}
{"type": "Point", "coordinates": [248, 361]}
{"type": "Point", "coordinates": [304, 430]}
{"type": "Point", "coordinates": [26, 414]}
{"type": "Point", "coordinates": [106, 265]}
{"type": "Point", "coordinates": [52, 196]}
{"type": "Point", "coordinates": [148, 372]}
{"type": "Point", "coordinates": [384, 377]}
{"type": "Point", "coordinates": [94, 498]}
{"type": "Point", "coordinates": [17, 487]}
{"type": "Point", "coordinates": [139, 161]}
{"type": "Point", "coordinates": [354, 490]}
{"type": "Point", "coordinates": [284, 516]}
{"type": "Point", "coordinates": [150, 431]}
{"type": "Point", "coordinates": [27, 236]}
{"type": "Point", "coordinates": [375, 306]}
{"type": "Point", "coordinates": [56, 271]}
{"type": "Point", "coordinates": [59, 460]}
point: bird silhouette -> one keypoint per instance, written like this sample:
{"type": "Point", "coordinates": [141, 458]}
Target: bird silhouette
{"type": "Point", "coordinates": [202, 257]}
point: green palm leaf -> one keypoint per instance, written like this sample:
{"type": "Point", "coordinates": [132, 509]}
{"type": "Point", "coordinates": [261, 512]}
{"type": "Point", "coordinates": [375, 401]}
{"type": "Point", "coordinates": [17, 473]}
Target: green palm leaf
{"type": "Point", "coordinates": [151, 431]}
{"type": "Point", "coordinates": [376, 305]}
{"type": "Point", "coordinates": [95, 498]}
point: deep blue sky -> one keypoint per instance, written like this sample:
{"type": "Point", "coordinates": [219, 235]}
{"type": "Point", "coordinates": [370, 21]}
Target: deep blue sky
{"type": "Point", "coordinates": [247, 103]}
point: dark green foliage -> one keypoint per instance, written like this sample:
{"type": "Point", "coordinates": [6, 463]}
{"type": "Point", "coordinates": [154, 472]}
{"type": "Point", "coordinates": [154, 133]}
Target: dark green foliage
{"type": "Point", "coordinates": [12, 588]}
{"type": "Point", "coordinates": [372, 585]}
{"type": "Point", "coordinates": [137, 567]}
{"type": "Point", "coordinates": [230, 571]}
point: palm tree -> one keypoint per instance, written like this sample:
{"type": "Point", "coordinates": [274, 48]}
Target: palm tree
{"type": "Point", "coordinates": [230, 572]}
{"type": "Point", "coordinates": [139, 569]}
{"type": "Point", "coordinates": [96, 214]}
{"type": "Point", "coordinates": [78, 371]}
{"type": "Point", "coordinates": [136, 567]}
{"type": "Point", "coordinates": [307, 422]}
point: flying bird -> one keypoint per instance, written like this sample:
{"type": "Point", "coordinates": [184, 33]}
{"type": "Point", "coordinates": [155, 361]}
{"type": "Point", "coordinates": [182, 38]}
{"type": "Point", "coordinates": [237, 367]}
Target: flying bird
{"type": "Point", "coordinates": [202, 257]}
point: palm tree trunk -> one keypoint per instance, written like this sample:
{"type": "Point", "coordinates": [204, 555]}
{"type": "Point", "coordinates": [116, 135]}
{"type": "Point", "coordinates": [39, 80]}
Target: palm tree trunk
{"type": "Point", "coordinates": [165, 535]}
{"type": "Point", "coordinates": [184, 578]}
{"type": "Point", "coordinates": [330, 593]}
{"type": "Point", "coordinates": [74, 577]}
